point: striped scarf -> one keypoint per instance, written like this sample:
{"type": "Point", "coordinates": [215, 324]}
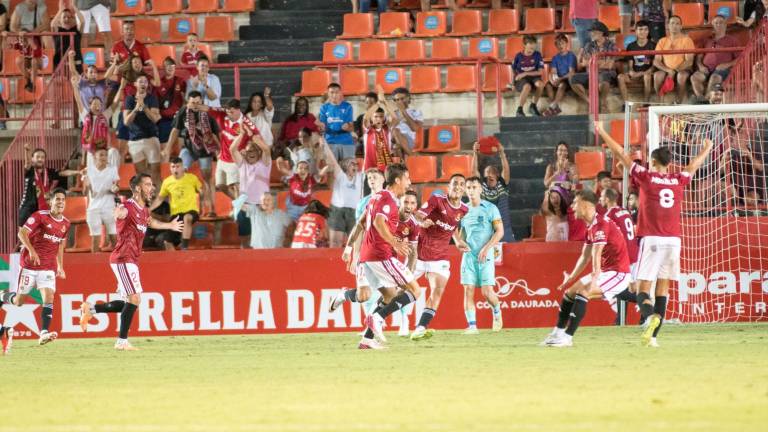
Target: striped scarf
{"type": "Point", "coordinates": [203, 141]}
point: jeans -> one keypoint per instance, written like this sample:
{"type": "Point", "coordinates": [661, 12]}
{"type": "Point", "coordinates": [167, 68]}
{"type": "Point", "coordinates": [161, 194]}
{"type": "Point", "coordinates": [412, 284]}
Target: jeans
{"type": "Point", "coordinates": [365, 5]}
{"type": "Point", "coordinates": [582, 26]}
{"type": "Point", "coordinates": [188, 159]}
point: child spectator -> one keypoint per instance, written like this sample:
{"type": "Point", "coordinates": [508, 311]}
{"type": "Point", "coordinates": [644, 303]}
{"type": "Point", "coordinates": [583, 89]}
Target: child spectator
{"type": "Point", "coordinates": [301, 186]}
{"type": "Point", "coordinates": [526, 69]}
{"type": "Point", "coordinates": [311, 228]}
{"type": "Point", "coordinates": [300, 119]}
{"type": "Point", "coordinates": [554, 207]}
{"type": "Point", "coordinates": [640, 66]}
{"type": "Point", "coordinates": [170, 95]}
{"type": "Point", "coordinates": [191, 53]}
{"type": "Point", "coordinates": [563, 66]}
{"type": "Point", "coordinates": [261, 111]}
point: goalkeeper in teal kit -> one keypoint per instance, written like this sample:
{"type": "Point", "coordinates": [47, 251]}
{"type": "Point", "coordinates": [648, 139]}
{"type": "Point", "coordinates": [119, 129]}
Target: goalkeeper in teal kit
{"type": "Point", "coordinates": [482, 229]}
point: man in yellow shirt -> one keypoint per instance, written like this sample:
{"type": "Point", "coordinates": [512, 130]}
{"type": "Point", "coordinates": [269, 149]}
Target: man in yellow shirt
{"type": "Point", "coordinates": [675, 67]}
{"type": "Point", "coordinates": [184, 190]}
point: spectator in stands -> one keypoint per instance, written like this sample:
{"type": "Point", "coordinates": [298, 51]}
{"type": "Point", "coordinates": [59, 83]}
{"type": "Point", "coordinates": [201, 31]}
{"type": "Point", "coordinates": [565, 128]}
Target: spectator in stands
{"type": "Point", "coordinates": [90, 85]}
{"type": "Point", "coordinates": [713, 68]}
{"type": "Point", "coordinates": [307, 149]}
{"type": "Point", "coordinates": [227, 173]}
{"type": "Point", "coordinates": [758, 14]}
{"type": "Point", "coordinates": [270, 224]}
{"type": "Point", "coordinates": [346, 182]}
{"type": "Point", "coordinates": [640, 66]}
{"type": "Point", "coordinates": [312, 227]}
{"type": "Point", "coordinates": [607, 73]}
{"type": "Point", "coordinates": [99, 11]}
{"type": "Point", "coordinates": [495, 185]}
{"type": "Point", "coordinates": [170, 95]}
{"type": "Point", "coordinates": [301, 186]}
{"type": "Point", "coordinates": [129, 46]}
{"type": "Point", "coordinates": [715, 95]}
{"type": "Point", "coordinates": [583, 15]}
{"type": "Point", "coordinates": [561, 172]}
{"type": "Point", "coordinates": [335, 121]}
{"type": "Point", "coordinates": [141, 113]}
{"type": "Point", "coordinates": [182, 189]}
{"type": "Point", "coordinates": [526, 69]}
{"type": "Point", "coordinates": [673, 69]}
{"type": "Point", "coordinates": [207, 84]}
{"type": "Point", "coordinates": [378, 123]}
{"type": "Point", "coordinates": [603, 182]}
{"type": "Point", "coordinates": [67, 20]}
{"type": "Point", "coordinates": [411, 120]}
{"type": "Point", "coordinates": [743, 166]}
{"type": "Point", "coordinates": [654, 12]}
{"type": "Point", "coordinates": [100, 184]}
{"type": "Point", "coordinates": [254, 165]}
{"type": "Point", "coordinates": [365, 6]}
{"type": "Point", "coordinates": [95, 127]}
{"type": "Point", "coordinates": [633, 203]}
{"type": "Point", "coordinates": [200, 133]}
{"type": "Point", "coordinates": [133, 68]}
{"type": "Point", "coordinates": [192, 53]}
{"type": "Point", "coordinates": [300, 118]}
{"type": "Point", "coordinates": [554, 207]}
{"type": "Point", "coordinates": [261, 111]}
{"type": "Point", "coordinates": [88, 88]}
{"type": "Point", "coordinates": [38, 182]}
{"type": "Point", "coordinates": [563, 67]}
{"type": "Point", "coordinates": [370, 100]}
{"type": "Point", "coordinates": [30, 16]}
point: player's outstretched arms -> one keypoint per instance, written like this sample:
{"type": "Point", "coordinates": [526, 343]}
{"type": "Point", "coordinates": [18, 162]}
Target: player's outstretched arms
{"type": "Point", "coordinates": [174, 225]}
{"type": "Point", "coordinates": [699, 160]}
{"type": "Point", "coordinates": [120, 212]}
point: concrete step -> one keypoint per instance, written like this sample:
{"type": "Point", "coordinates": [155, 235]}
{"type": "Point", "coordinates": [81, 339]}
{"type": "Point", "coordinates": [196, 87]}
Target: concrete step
{"type": "Point", "coordinates": [297, 30]}
{"type": "Point", "coordinates": [304, 5]}
{"type": "Point", "coordinates": [289, 16]}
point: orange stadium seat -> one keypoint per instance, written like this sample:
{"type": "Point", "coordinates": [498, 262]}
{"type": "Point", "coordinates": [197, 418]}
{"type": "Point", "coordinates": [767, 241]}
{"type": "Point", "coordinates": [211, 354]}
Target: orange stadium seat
{"type": "Point", "coordinates": [231, 6]}
{"type": "Point", "coordinates": [24, 97]}
{"type": "Point", "coordinates": [390, 78]}
{"type": "Point", "coordinates": [9, 62]}
{"type": "Point", "coordinates": [125, 171]}
{"type": "Point", "coordinates": [446, 48]}
{"type": "Point", "coordinates": [336, 51]}
{"type": "Point", "coordinates": [5, 89]}
{"type": "Point", "coordinates": [126, 8]}
{"type": "Point", "coordinates": [202, 6]}
{"type": "Point", "coordinates": [228, 237]}
{"type": "Point", "coordinates": [165, 7]}
{"type": "Point", "coordinates": [548, 48]}
{"type": "Point", "coordinates": [443, 138]}
{"type": "Point", "coordinates": [373, 50]}
{"type": "Point", "coordinates": [418, 143]}
{"type": "Point", "coordinates": [461, 78]}
{"type": "Point", "coordinates": [354, 81]}
{"type": "Point", "coordinates": [206, 49]}
{"type": "Point", "coordinates": [427, 191]}
{"type": "Point", "coordinates": [491, 74]}
{"type": "Point", "coordinates": [430, 24]}
{"type": "Point", "coordinates": [484, 47]}
{"type": "Point", "coordinates": [74, 209]}
{"type": "Point", "coordinates": [589, 163]}
{"type": "Point", "coordinates": [539, 20]}
{"type": "Point", "coordinates": [410, 49]}
{"type": "Point", "coordinates": [357, 26]}
{"type": "Point", "coordinates": [456, 164]}
{"type": "Point", "coordinates": [282, 197]}
{"type": "Point", "coordinates": [729, 9]}
{"type": "Point", "coordinates": [222, 204]}
{"type": "Point", "coordinates": [82, 241]}
{"type": "Point", "coordinates": [47, 67]}
{"type": "Point", "coordinates": [148, 30]}
{"type": "Point", "coordinates": [635, 129]}
{"type": "Point", "coordinates": [566, 26]}
{"type": "Point", "coordinates": [609, 15]}
{"type": "Point", "coordinates": [513, 46]}
{"type": "Point", "coordinates": [538, 228]}
{"type": "Point", "coordinates": [692, 14]}
{"type": "Point", "coordinates": [425, 79]}
{"type": "Point", "coordinates": [218, 28]}
{"type": "Point", "coordinates": [202, 236]}
{"type": "Point", "coordinates": [179, 28]}
{"type": "Point", "coordinates": [314, 82]}
{"type": "Point", "coordinates": [93, 56]}
{"type": "Point", "coordinates": [423, 169]}
{"type": "Point", "coordinates": [116, 28]}
{"type": "Point", "coordinates": [393, 24]}
{"type": "Point", "coordinates": [52, 6]}
{"type": "Point", "coordinates": [158, 53]}
{"type": "Point", "coordinates": [466, 22]}
{"type": "Point", "coordinates": [502, 22]}
{"type": "Point", "coordinates": [324, 196]}
{"type": "Point", "coordinates": [275, 176]}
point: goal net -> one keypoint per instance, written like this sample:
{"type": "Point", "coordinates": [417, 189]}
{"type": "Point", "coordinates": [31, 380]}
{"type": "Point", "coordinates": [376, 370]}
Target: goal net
{"type": "Point", "coordinates": [724, 262]}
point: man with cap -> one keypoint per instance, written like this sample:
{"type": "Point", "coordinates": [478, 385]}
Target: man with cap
{"type": "Point", "coordinates": [599, 43]}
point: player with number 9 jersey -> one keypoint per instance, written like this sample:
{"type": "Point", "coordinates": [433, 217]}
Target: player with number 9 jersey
{"type": "Point", "coordinates": [623, 220]}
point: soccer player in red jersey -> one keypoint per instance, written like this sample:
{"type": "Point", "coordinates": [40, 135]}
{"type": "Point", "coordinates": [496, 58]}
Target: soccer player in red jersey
{"type": "Point", "coordinates": [606, 248]}
{"type": "Point", "coordinates": [610, 207]}
{"type": "Point", "coordinates": [43, 238]}
{"type": "Point", "coordinates": [440, 217]}
{"type": "Point", "coordinates": [133, 218]}
{"type": "Point", "coordinates": [408, 230]}
{"type": "Point", "coordinates": [661, 198]}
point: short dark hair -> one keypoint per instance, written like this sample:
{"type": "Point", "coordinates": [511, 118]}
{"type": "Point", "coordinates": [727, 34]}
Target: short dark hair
{"type": "Point", "coordinates": [561, 37]}
{"type": "Point", "coordinates": [474, 179]}
{"type": "Point", "coordinates": [642, 23]}
{"type": "Point", "coordinates": [394, 172]}
{"type": "Point", "coordinates": [175, 160]}
{"type": "Point", "coordinates": [380, 110]}
{"type": "Point", "coordinates": [39, 150]}
{"type": "Point", "coordinates": [675, 16]}
{"type": "Point", "coordinates": [169, 61]}
{"type": "Point", "coordinates": [334, 85]}
{"type": "Point", "coordinates": [719, 16]}
{"type": "Point", "coordinates": [603, 174]}
{"type": "Point", "coordinates": [401, 90]}
{"type": "Point", "coordinates": [233, 103]}
{"type": "Point", "coordinates": [456, 175]}
{"type": "Point", "coordinates": [191, 34]}
{"type": "Point", "coordinates": [194, 94]}
{"type": "Point", "coordinates": [128, 22]}
{"type": "Point", "coordinates": [662, 155]}
{"type": "Point", "coordinates": [58, 190]}
{"type": "Point", "coordinates": [202, 58]}
{"type": "Point", "coordinates": [529, 39]}
{"type": "Point", "coordinates": [611, 195]}
{"type": "Point", "coordinates": [587, 195]}
{"type": "Point", "coordinates": [317, 207]}
{"type": "Point", "coordinates": [371, 95]}
{"type": "Point", "coordinates": [136, 180]}
{"type": "Point", "coordinates": [413, 194]}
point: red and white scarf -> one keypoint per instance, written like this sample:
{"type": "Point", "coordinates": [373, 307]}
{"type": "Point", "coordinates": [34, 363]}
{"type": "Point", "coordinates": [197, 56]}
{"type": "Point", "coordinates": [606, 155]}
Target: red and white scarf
{"type": "Point", "coordinates": [203, 140]}
{"type": "Point", "coordinates": [95, 132]}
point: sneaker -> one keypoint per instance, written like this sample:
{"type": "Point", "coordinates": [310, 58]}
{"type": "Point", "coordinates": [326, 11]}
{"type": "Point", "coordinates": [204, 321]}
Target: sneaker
{"type": "Point", "coordinates": [6, 336]}
{"type": "Point", "coordinates": [498, 323]}
{"type": "Point", "coordinates": [46, 337]}
{"type": "Point", "coordinates": [422, 333]}
{"type": "Point", "coordinates": [551, 337]}
{"type": "Point", "coordinates": [337, 302]}
{"type": "Point", "coordinates": [85, 316]}
{"type": "Point", "coordinates": [373, 323]}
{"type": "Point", "coordinates": [370, 344]}
{"type": "Point", "coordinates": [652, 323]}
{"type": "Point", "coordinates": [547, 112]}
{"type": "Point", "coordinates": [653, 343]}
{"type": "Point", "coordinates": [562, 341]}
{"type": "Point", "coordinates": [403, 332]}
{"type": "Point", "coordinates": [471, 331]}
{"type": "Point", "coordinates": [237, 205]}
{"type": "Point", "coordinates": [520, 112]}
{"type": "Point", "coordinates": [534, 111]}
{"type": "Point", "coordinates": [125, 346]}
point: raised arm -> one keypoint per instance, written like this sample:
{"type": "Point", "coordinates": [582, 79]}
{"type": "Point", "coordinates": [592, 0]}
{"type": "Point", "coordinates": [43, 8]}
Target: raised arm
{"type": "Point", "coordinates": [76, 90]}
{"type": "Point", "coordinates": [234, 148]}
{"type": "Point", "coordinates": [505, 173]}
{"type": "Point", "coordinates": [696, 163]}
{"type": "Point", "coordinates": [475, 169]}
{"type": "Point", "coordinates": [616, 148]}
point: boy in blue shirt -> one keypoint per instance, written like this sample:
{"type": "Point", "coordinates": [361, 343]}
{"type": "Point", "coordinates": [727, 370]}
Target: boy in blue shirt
{"type": "Point", "coordinates": [526, 69]}
{"type": "Point", "coordinates": [336, 121]}
{"type": "Point", "coordinates": [563, 66]}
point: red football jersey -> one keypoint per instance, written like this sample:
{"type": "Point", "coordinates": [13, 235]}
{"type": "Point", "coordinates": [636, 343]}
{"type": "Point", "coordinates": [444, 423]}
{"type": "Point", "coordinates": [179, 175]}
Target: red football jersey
{"type": "Point", "coordinates": [408, 230]}
{"type": "Point", "coordinates": [124, 53]}
{"type": "Point", "coordinates": [300, 195]}
{"type": "Point", "coordinates": [308, 228]}
{"type": "Point", "coordinates": [603, 231]}
{"type": "Point", "coordinates": [130, 234]}
{"type": "Point", "coordinates": [229, 132]}
{"type": "Point", "coordinates": [661, 198]}
{"type": "Point", "coordinates": [623, 220]}
{"type": "Point", "coordinates": [46, 234]}
{"type": "Point", "coordinates": [374, 248]}
{"type": "Point", "coordinates": [434, 241]}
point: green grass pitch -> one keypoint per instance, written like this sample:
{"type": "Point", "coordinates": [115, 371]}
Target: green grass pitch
{"type": "Point", "coordinates": [703, 378]}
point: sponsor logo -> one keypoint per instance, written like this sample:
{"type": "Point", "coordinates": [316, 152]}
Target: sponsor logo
{"type": "Point", "coordinates": [445, 226]}
{"type": "Point", "coordinates": [53, 238]}
{"type": "Point", "coordinates": [504, 288]}
{"type": "Point", "coordinates": [142, 228]}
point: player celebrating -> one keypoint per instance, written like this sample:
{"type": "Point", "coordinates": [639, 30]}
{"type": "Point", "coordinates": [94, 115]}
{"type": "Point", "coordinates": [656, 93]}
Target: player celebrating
{"type": "Point", "coordinates": [623, 219]}
{"type": "Point", "coordinates": [481, 228]}
{"type": "Point", "coordinates": [439, 216]}
{"type": "Point", "coordinates": [661, 196]}
{"type": "Point", "coordinates": [606, 248]}
{"type": "Point", "coordinates": [132, 221]}
{"type": "Point", "coordinates": [43, 238]}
